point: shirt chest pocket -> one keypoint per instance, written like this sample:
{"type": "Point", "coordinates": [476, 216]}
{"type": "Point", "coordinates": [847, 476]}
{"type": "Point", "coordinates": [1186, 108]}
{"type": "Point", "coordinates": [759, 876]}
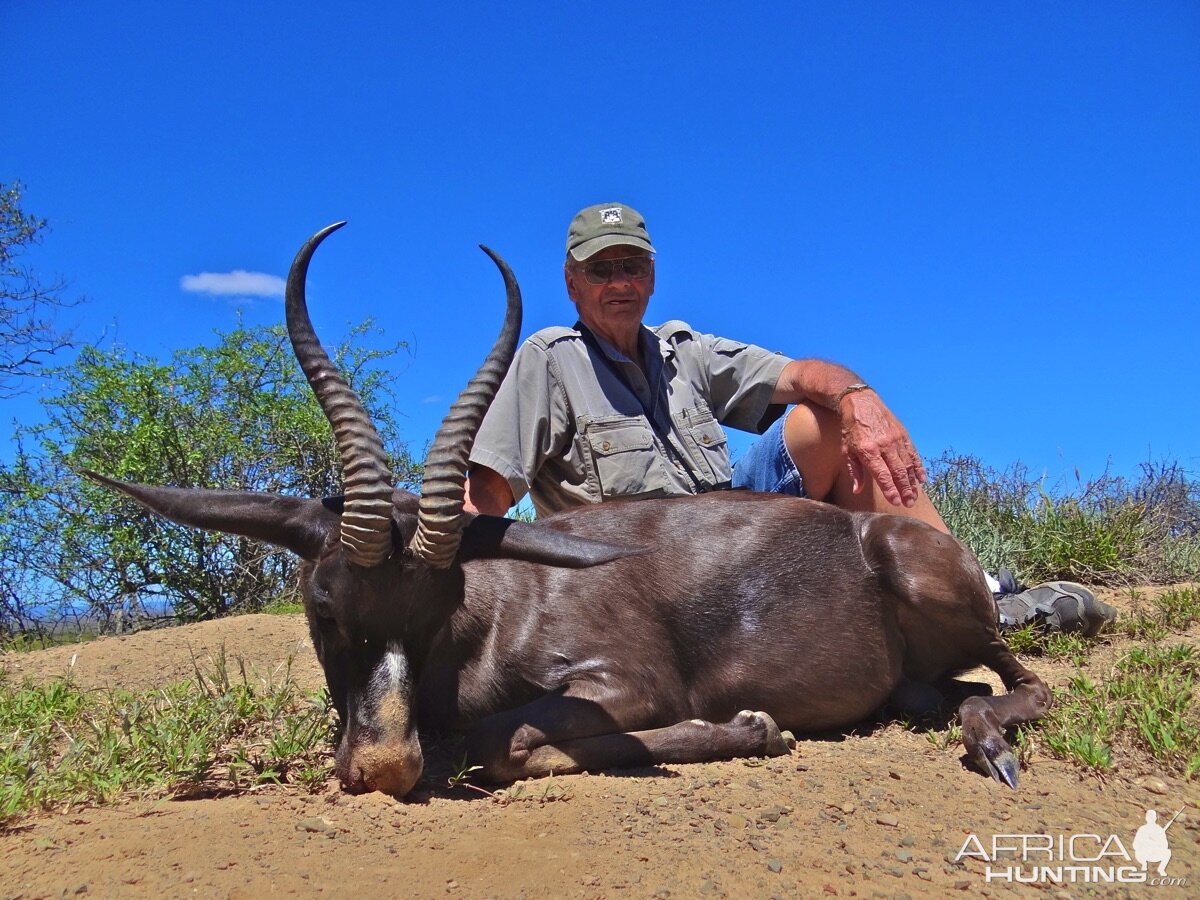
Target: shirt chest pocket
{"type": "Point", "coordinates": [706, 445]}
{"type": "Point", "coordinates": [623, 457]}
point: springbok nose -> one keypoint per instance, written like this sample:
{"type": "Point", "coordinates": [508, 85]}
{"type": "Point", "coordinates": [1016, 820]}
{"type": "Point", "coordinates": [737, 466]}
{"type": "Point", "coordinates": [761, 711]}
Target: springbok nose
{"type": "Point", "coordinates": [387, 769]}
{"type": "Point", "coordinates": [397, 784]}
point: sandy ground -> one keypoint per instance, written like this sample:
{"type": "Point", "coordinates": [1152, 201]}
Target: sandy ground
{"type": "Point", "coordinates": [879, 812]}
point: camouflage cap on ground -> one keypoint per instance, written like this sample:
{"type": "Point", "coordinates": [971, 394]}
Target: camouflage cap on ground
{"type": "Point", "coordinates": [606, 225]}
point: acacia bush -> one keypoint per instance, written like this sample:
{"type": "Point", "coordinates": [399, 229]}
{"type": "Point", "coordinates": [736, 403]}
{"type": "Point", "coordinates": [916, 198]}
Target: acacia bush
{"type": "Point", "coordinates": [237, 415]}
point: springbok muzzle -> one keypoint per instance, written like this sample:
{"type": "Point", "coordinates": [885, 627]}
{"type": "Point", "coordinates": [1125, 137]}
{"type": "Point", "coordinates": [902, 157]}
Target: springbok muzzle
{"type": "Point", "coordinates": [380, 750]}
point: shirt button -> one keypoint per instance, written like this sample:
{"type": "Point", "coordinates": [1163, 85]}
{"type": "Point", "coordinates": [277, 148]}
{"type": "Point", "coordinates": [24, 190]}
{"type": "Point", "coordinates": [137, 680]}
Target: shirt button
{"type": "Point", "coordinates": [706, 440]}
{"type": "Point", "coordinates": [606, 446]}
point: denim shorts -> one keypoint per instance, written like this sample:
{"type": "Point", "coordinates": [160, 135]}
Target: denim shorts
{"type": "Point", "coordinates": [767, 466]}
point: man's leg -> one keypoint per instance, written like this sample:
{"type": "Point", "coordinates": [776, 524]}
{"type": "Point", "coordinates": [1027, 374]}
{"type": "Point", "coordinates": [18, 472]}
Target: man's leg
{"type": "Point", "coordinates": [813, 438]}
{"type": "Point", "coordinates": [802, 456]}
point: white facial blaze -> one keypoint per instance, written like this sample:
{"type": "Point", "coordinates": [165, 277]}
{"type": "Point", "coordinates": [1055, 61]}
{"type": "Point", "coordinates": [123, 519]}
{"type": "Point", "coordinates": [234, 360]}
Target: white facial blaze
{"type": "Point", "coordinates": [389, 694]}
{"type": "Point", "coordinates": [396, 665]}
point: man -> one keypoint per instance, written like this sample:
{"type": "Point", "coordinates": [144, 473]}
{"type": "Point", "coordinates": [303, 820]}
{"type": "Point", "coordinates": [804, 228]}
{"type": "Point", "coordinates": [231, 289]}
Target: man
{"type": "Point", "coordinates": [611, 409]}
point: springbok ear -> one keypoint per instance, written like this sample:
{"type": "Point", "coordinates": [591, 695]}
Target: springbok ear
{"type": "Point", "coordinates": [490, 536]}
{"type": "Point", "coordinates": [302, 526]}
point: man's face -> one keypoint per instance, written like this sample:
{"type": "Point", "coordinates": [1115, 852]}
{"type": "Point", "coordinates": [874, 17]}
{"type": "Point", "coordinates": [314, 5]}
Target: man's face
{"type": "Point", "coordinates": [616, 307]}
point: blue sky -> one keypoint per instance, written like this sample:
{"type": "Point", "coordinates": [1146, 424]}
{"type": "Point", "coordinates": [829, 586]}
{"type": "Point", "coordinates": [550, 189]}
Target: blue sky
{"type": "Point", "coordinates": [989, 211]}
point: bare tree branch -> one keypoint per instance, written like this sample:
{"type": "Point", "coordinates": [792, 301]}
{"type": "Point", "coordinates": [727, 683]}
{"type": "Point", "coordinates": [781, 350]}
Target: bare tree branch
{"type": "Point", "coordinates": [29, 332]}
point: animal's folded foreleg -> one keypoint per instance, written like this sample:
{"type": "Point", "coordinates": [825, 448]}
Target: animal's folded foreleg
{"type": "Point", "coordinates": [746, 734]}
{"type": "Point", "coordinates": [511, 746]}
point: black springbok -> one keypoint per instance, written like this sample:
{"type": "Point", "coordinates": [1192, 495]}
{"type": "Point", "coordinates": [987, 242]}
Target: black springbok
{"type": "Point", "coordinates": [623, 634]}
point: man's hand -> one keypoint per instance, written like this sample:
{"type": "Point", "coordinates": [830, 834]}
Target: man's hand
{"type": "Point", "coordinates": [875, 445]}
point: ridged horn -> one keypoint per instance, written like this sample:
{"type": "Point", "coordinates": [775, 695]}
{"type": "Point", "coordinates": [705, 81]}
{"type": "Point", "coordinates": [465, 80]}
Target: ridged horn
{"type": "Point", "coordinates": [367, 480]}
{"type": "Point", "coordinates": [440, 517]}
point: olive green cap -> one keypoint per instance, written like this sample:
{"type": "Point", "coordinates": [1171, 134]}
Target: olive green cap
{"type": "Point", "coordinates": [606, 225]}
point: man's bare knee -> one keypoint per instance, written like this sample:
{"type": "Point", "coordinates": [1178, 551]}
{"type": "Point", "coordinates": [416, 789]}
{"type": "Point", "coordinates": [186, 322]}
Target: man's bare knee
{"type": "Point", "coordinates": [813, 437]}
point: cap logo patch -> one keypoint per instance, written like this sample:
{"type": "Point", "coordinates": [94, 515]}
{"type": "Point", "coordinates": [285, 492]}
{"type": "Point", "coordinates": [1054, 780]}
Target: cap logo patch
{"type": "Point", "coordinates": [611, 216]}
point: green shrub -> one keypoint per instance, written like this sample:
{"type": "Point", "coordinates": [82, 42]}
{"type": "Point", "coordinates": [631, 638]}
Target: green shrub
{"type": "Point", "coordinates": [1111, 530]}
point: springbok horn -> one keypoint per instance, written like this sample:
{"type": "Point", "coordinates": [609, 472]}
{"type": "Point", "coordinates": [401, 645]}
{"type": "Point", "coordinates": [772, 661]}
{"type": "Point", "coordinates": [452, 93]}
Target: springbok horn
{"type": "Point", "coordinates": [440, 519]}
{"type": "Point", "coordinates": [367, 514]}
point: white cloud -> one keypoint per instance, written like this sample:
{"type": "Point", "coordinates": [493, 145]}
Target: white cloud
{"type": "Point", "coordinates": [239, 283]}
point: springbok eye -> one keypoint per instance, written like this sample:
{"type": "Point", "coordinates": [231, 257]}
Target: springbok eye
{"type": "Point", "coordinates": [322, 609]}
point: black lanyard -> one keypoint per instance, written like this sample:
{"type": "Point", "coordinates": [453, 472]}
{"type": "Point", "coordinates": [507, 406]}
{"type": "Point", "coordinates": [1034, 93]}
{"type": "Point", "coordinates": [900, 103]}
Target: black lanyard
{"type": "Point", "coordinates": [664, 436]}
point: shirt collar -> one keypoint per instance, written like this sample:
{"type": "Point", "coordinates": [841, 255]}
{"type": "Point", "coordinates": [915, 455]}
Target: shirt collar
{"type": "Point", "coordinates": [650, 342]}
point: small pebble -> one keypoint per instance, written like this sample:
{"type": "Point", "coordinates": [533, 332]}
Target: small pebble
{"type": "Point", "coordinates": [1152, 784]}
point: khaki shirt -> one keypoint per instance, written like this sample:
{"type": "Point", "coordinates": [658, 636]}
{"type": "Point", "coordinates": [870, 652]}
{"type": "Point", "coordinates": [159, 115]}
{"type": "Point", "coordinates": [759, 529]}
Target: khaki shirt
{"type": "Point", "coordinates": [567, 430]}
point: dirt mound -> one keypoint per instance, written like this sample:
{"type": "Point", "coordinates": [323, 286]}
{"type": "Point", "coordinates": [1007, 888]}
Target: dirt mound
{"type": "Point", "coordinates": [878, 813]}
{"type": "Point", "coordinates": [149, 658]}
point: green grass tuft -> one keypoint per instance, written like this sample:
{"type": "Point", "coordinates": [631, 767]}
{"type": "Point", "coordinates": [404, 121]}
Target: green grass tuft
{"type": "Point", "coordinates": [1148, 705]}
{"type": "Point", "coordinates": [1034, 641]}
{"type": "Point", "coordinates": [283, 608]}
{"type": "Point", "coordinates": [1174, 610]}
{"type": "Point", "coordinates": [61, 746]}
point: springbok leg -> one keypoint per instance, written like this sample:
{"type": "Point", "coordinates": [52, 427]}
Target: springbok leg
{"type": "Point", "coordinates": [985, 718]}
{"type": "Point", "coordinates": [562, 734]}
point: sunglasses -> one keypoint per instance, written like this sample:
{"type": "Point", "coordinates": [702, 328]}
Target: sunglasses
{"type": "Point", "coordinates": [602, 271]}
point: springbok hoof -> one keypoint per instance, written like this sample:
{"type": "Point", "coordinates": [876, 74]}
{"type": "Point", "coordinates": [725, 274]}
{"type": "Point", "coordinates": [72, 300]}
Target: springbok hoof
{"type": "Point", "coordinates": [997, 759]}
{"type": "Point", "coordinates": [1004, 767]}
{"type": "Point", "coordinates": [775, 745]}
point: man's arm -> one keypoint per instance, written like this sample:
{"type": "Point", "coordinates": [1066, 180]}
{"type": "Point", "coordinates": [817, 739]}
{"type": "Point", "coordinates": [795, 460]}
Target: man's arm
{"type": "Point", "coordinates": [525, 425]}
{"type": "Point", "coordinates": [873, 440]}
{"type": "Point", "coordinates": [488, 492]}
